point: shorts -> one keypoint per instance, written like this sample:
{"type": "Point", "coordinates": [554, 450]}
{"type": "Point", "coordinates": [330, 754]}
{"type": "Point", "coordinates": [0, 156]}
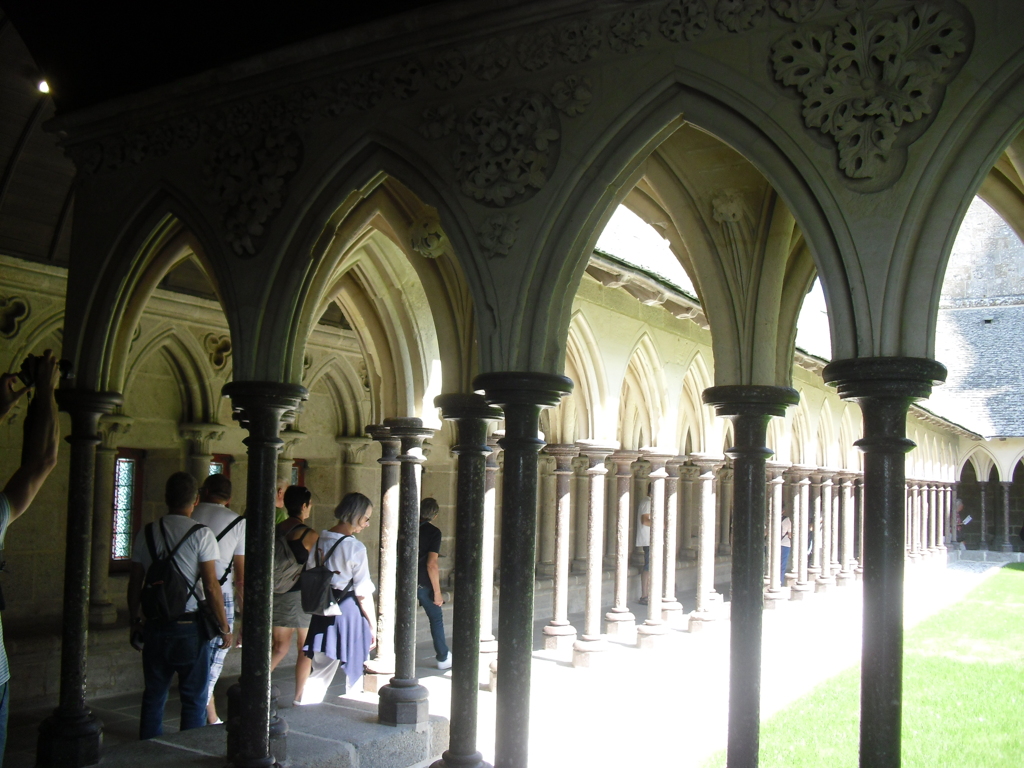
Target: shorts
{"type": "Point", "coordinates": [647, 559]}
{"type": "Point", "coordinates": [288, 611]}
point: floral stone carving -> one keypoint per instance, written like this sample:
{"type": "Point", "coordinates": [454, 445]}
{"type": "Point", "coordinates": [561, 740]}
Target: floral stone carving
{"type": "Point", "coordinates": [868, 76]}
{"type": "Point", "coordinates": [572, 95]}
{"type": "Point", "coordinates": [535, 49]}
{"type": "Point", "coordinates": [630, 30]}
{"type": "Point", "coordinates": [406, 80]}
{"type": "Point", "coordinates": [578, 40]}
{"type": "Point", "coordinates": [218, 348]}
{"type": "Point", "coordinates": [738, 15]}
{"type": "Point", "coordinates": [427, 237]}
{"type": "Point", "coordinates": [506, 145]}
{"type": "Point", "coordinates": [13, 311]}
{"type": "Point", "coordinates": [796, 10]}
{"type": "Point", "coordinates": [684, 20]}
{"type": "Point", "coordinates": [498, 235]}
{"type": "Point", "coordinates": [489, 59]}
{"type": "Point", "coordinates": [437, 121]}
{"type": "Point", "coordinates": [448, 70]}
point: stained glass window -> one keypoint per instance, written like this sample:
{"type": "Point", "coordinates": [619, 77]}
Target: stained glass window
{"type": "Point", "coordinates": [216, 468]}
{"type": "Point", "coordinates": [124, 508]}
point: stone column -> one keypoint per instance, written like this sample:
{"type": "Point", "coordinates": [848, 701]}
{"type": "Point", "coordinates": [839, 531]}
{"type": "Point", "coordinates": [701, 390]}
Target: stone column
{"type": "Point", "coordinates": [112, 428]}
{"type": "Point", "coordinates": [403, 701]}
{"type": "Point", "coordinates": [791, 494]}
{"type": "Point", "coordinates": [579, 515]}
{"type": "Point", "coordinates": [382, 668]}
{"type": "Point", "coordinates": [982, 489]}
{"type": "Point", "coordinates": [671, 608]}
{"type": "Point", "coordinates": [750, 408]}
{"type": "Point", "coordinates": [521, 396]}
{"type": "Point", "coordinates": [559, 634]}
{"type": "Point", "coordinates": [488, 642]}
{"type": "Point", "coordinates": [199, 437]}
{"type": "Point", "coordinates": [353, 454]}
{"type": "Point", "coordinates": [72, 735]}
{"type": "Point", "coordinates": [847, 521]}
{"type": "Point", "coordinates": [547, 513]}
{"type": "Point", "coordinates": [725, 505]}
{"type": "Point", "coordinates": [261, 407]}
{"type": "Point", "coordinates": [619, 620]}
{"type": "Point", "coordinates": [587, 650]}
{"type": "Point", "coordinates": [943, 516]}
{"type": "Point", "coordinates": [775, 591]}
{"type": "Point", "coordinates": [884, 388]}
{"type": "Point", "coordinates": [931, 510]}
{"type": "Point", "coordinates": [1004, 541]}
{"type": "Point", "coordinates": [688, 545]}
{"type": "Point", "coordinates": [653, 628]}
{"type": "Point", "coordinates": [916, 518]}
{"type": "Point", "coordinates": [471, 414]}
{"type": "Point", "coordinates": [814, 564]}
{"type": "Point", "coordinates": [835, 565]}
{"type": "Point", "coordinates": [800, 588]}
{"type": "Point", "coordinates": [826, 578]}
{"type": "Point", "coordinates": [858, 498]}
{"type": "Point", "coordinates": [707, 597]}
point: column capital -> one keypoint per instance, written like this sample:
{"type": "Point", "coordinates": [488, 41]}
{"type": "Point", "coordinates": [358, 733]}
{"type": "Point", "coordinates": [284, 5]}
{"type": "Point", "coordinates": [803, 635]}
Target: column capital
{"type": "Point", "coordinates": [113, 426]}
{"type": "Point", "coordinates": [467, 406]}
{"type": "Point", "coordinates": [596, 451]}
{"type": "Point", "coordinates": [85, 408]}
{"type": "Point", "coordinates": [674, 466]}
{"type": "Point", "coordinates": [891, 377]}
{"type": "Point", "coordinates": [1006, 483]}
{"type": "Point", "coordinates": [801, 471]}
{"type": "Point", "coordinates": [353, 448]}
{"type": "Point", "coordinates": [563, 454]}
{"type": "Point", "coordinates": [624, 458]}
{"type": "Point", "coordinates": [264, 401]}
{"type": "Point", "coordinates": [522, 388]}
{"type": "Point", "coordinates": [707, 462]}
{"type": "Point", "coordinates": [200, 435]}
{"type": "Point", "coordinates": [657, 457]}
{"type": "Point", "coordinates": [777, 468]}
{"type": "Point", "coordinates": [750, 399]}
{"type": "Point", "coordinates": [290, 438]}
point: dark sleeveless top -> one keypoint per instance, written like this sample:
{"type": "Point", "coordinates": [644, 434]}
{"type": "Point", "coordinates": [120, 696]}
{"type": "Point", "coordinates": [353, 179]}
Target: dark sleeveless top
{"type": "Point", "coordinates": [300, 552]}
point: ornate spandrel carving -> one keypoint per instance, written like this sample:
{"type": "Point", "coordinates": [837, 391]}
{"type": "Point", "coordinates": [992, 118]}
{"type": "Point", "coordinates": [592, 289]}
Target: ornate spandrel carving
{"type": "Point", "coordinates": [796, 10]}
{"type": "Point", "coordinates": [13, 312]}
{"type": "Point", "coordinates": [630, 30]}
{"type": "Point", "coordinates": [684, 20]}
{"type": "Point", "coordinates": [406, 80]}
{"type": "Point", "coordinates": [427, 237]}
{"type": "Point", "coordinates": [507, 143]}
{"type": "Point", "coordinates": [868, 76]}
{"type": "Point", "coordinates": [578, 40]}
{"type": "Point", "coordinates": [535, 49]}
{"type": "Point", "coordinates": [447, 70]}
{"type": "Point", "coordinates": [489, 59]}
{"type": "Point", "coordinates": [112, 429]}
{"type": "Point", "coordinates": [199, 436]}
{"type": "Point", "coordinates": [573, 95]}
{"type": "Point", "coordinates": [738, 15]}
{"type": "Point", "coordinates": [498, 235]}
{"type": "Point", "coordinates": [218, 347]}
{"type": "Point", "coordinates": [437, 122]}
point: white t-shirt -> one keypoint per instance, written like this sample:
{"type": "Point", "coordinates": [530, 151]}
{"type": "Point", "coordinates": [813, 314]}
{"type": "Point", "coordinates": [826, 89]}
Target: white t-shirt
{"type": "Point", "coordinates": [787, 531]}
{"type": "Point", "coordinates": [348, 561]}
{"type": "Point", "coordinates": [643, 530]}
{"type": "Point", "coordinates": [217, 517]}
{"type": "Point", "coordinates": [201, 547]}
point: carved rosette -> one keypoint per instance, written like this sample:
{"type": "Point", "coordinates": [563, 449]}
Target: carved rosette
{"type": "Point", "coordinates": [498, 235]}
{"type": "Point", "coordinates": [578, 40]}
{"type": "Point", "coordinates": [796, 10]}
{"type": "Point", "coordinates": [630, 30]}
{"type": "Point", "coordinates": [867, 77]}
{"type": "Point", "coordinates": [489, 59]}
{"type": "Point", "coordinates": [573, 95]}
{"type": "Point", "coordinates": [13, 312]}
{"type": "Point", "coordinates": [507, 144]}
{"type": "Point", "coordinates": [438, 121]}
{"type": "Point", "coordinates": [684, 20]}
{"type": "Point", "coordinates": [738, 15]}
{"type": "Point", "coordinates": [427, 237]}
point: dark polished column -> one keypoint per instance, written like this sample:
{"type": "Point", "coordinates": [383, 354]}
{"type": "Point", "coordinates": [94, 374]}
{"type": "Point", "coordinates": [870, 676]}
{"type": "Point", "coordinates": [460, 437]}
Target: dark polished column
{"type": "Point", "coordinates": [619, 621]}
{"type": "Point", "coordinates": [591, 645]}
{"type": "Point", "coordinates": [72, 735]}
{"type": "Point", "coordinates": [403, 701]}
{"type": "Point", "coordinates": [382, 667]}
{"type": "Point", "coordinates": [884, 388]}
{"type": "Point", "coordinates": [471, 415]}
{"type": "Point", "coordinates": [261, 407]}
{"type": "Point", "coordinates": [1004, 543]}
{"type": "Point", "coordinates": [521, 395]}
{"type": "Point", "coordinates": [982, 493]}
{"type": "Point", "coordinates": [559, 633]}
{"type": "Point", "coordinates": [750, 408]}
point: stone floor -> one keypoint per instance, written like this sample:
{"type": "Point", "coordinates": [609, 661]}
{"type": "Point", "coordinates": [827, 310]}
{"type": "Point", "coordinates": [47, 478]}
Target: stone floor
{"type": "Point", "coordinates": [668, 704]}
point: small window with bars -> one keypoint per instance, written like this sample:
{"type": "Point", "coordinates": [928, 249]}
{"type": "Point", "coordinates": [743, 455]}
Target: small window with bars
{"type": "Point", "coordinates": [127, 505]}
{"type": "Point", "coordinates": [221, 464]}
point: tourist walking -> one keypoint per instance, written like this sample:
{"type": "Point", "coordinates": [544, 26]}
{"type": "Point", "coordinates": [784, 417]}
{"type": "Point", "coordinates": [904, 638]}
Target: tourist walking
{"type": "Point", "coordinates": [428, 589]}
{"type": "Point", "coordinates": [643, 540]}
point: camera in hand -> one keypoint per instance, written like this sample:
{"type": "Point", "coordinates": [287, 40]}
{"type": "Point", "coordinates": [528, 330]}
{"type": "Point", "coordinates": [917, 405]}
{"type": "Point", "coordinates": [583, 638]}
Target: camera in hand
{"type": "Point", "coordinates": [30, 370]}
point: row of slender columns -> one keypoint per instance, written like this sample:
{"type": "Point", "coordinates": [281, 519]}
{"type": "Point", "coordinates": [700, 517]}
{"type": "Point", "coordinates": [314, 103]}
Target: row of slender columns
{"type": "Point", "coordinates": [1004, 540]}
{"type": "Point", "coordinates": [928, 509]}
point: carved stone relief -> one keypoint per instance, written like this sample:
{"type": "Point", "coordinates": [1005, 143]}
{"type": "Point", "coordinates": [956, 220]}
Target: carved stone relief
{"type": "Point", "coordinates": [796, 10]}
{"type": "Point", "coordinates": [498, 235]}
{"type": "Point", "coordinates": [489, 59]}
{"type": "Point", "coordinates": [507, 143]}
{"type": "Point", "coordinates": [865, 78]}
{"type": "Point", "coordinates": [630, 30]}
{"type": "Point", "coordinates": [448, 70]}
{"type": "Point", "coordinates": [218, 348]}
{"type": "Point", "coordinates": [684, 20]}
{"type": "Point", "coordinates": [535, 49]}
{"type": "Point", "coordinates": [427, 237]}
{"type": "Point", "coordinates": [573, 95]}
{"type": "Point", "coordinates": [738, 15]}
{"type": "Point", "coordinates": [578, 40]}
{"type": "Point", "coordinates": [437, 121]}
{"type": "Point", "coordinates": [13, 311]}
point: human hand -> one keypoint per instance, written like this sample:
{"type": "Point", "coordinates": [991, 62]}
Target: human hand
{"type": "Point", "coordinates": [226, 639]}
{"type": "Point", "coordinates": [438, 599]}
{"type": "Point", "coordinates": [47, 372]}
{"type": "Point", "coordinates": [8, 394]}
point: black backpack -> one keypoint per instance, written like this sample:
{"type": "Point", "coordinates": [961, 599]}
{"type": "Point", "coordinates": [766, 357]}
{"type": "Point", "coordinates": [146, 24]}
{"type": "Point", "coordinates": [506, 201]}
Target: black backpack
{"type": "Point", "coordinates": [315, 584]}
{"type": "Point", "coordinates": [165, 591]}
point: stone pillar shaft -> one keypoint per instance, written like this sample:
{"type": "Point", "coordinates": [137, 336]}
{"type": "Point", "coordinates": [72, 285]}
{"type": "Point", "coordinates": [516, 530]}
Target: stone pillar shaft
{"type": "Point", "coordinates": [488, 642]}
{"type": "Point", "coordinates": [705, 535]}
{"type": "Point", "coordinates": [384, 664]}
{"type": "Point", "coordinates": [982, 488]}
{"type": "Point", "coordinates": [671, 608]}
{"type": "Point", "coordinates": [654, 622]}
{"type": "Point", "coordinates": [826, 577]}
{"type": "Point", "coordinates": [521, 396]}
{"type": "Point", "coordinates": [620, 619]}
{"type": "Point", "coordinates": [847, 521]}
{"type": "Point", "coordinates": [591, 640]}
{"type": "Point", "coordinates": [775, 484]}
{"type": "Point", "coordinates": [559, 633]}
{"type": "Point", "coordinates": [1004, 544]}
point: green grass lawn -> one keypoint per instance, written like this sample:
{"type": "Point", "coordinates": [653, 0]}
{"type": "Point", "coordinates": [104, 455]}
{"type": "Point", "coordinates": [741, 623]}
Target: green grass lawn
{"type": "Point", "coordinates": [963, 693]}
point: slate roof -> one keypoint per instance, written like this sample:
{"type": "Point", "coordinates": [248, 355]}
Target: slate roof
{"type": "Point", "coordinates": [983, 348]}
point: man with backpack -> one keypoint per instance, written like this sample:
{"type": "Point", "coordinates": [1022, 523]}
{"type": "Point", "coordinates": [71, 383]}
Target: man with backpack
{"type": "Point", "coordinates": [170, 558]}
{"type": "Point", "coordinates": [229, 529]}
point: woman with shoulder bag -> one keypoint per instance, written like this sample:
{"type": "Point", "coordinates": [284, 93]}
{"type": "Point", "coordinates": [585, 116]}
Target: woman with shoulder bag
{"type": "Point", "coordinates": [295, 540]}
{"type": "Point", "coordinates": [344, 633]}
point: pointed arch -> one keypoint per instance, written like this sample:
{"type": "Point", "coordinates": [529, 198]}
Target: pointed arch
{"type": "Point", "coordinates": [825, 453]}
{"type": "Point", "coordinates": [800, 446]}
{"type": "Point", "coordinates": [981, 459]}
{"type": "Point", "coordinates": [345, 387]}
{"type": "Point", "coordinates": [584, 364]}
{"type": "Point", "coordinates": [185, 359]}
{"type": "Point", "coordinates": [695, 417]}
{"type": "Point", "coordinates": [642, 402]}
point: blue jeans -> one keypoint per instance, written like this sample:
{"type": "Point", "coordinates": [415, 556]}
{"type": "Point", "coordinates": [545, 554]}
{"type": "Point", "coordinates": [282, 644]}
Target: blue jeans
{"type": "Point", "coordinates": [218, 654]}
{"type": "Point", "coordinates": [171, 648]}
{"type": "Point", "coordinates": [434, 615]}
{"type": "Point", "coordinates": [784, 557]}
{"type": "Point", "coordinates": [5, 708]}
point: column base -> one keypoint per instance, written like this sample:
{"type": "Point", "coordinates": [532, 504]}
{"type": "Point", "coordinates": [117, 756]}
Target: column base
{"type": "Point", "coordinates": [671, 612]}
{"type": "Point", "coordinates": [858, 572]}
{"type": "Point", "coordinates": [578, 566]}
{"type": "Point", "coordinates": [773, 599]}
{"type": "Point", "coordinates": [824, 584]}
{"type": "Point", "coordinates": [102, 614]}
{"type": "Point", "coordinates": [448, 760]}
{"type": "Point", "coordinates": [813, 572]}
{"type": "Point", "coordinates": [800, 590]}
{"type": "Point", "coordinates": [699, 620]}
{"type": "Point", "coordinates": [1006, 547]}
{"type": "Point", "coordinates": [688, 554]}
{"type": "Point", "coordinates": [69, 741]}
{"type": "Point", "coordinates": [620, 624]}
{"type": "Point", "coordinates": [845, 578]}
{"type": "Point", "coordinates": [403, 704]}
{"type": "Point", "coordinates": [590, 652]}
{"type": "Point", "coordinates": [790, 580]}
{"type": "Point", "coordinates": [492, 684]}
{"type": "Point", "coordinates": [546, 570]}
{"type": "Point", "coordinates": [724, 550]}
{"type": "Point", "coordinates": [559, 637]}
{"type": "Point", "coordinates": [650, 636]}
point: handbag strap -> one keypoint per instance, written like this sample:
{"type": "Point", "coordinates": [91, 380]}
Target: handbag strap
{"type": "Point", "coordinates": [331, 550]}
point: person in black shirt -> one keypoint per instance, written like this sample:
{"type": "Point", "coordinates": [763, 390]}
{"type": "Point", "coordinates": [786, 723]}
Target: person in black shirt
{"type": "Point", "coordinates": [429, 590]}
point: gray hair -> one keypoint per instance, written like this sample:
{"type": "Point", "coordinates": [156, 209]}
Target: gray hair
{"type": "Point", "coordinates": [352, 508]}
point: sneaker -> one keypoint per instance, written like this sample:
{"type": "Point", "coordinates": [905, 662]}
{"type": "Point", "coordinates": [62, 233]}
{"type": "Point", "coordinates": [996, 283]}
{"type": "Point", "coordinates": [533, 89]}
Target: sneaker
{"type": "Point", "coordinates": [446, 662]}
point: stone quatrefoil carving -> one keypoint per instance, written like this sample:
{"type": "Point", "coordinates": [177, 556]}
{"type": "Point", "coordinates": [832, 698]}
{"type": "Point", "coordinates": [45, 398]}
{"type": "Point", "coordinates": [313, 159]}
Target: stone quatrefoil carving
{"type": "Point", "coordinates": [867, 77]}
{"type": "Point", "coordinates": [13, 311]}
